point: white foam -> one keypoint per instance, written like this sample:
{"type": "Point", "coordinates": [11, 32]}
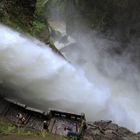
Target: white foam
{"type": "Point", "coordinates": [46, 80]}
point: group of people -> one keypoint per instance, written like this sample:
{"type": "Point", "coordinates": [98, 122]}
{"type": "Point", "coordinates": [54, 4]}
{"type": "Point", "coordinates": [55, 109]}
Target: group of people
{"type": "Point", "coordinates": [45, 125]}
{"type": "Point", "coordinates": [21, 118]}
{"type": "Point", "coordinates": [68, 131]}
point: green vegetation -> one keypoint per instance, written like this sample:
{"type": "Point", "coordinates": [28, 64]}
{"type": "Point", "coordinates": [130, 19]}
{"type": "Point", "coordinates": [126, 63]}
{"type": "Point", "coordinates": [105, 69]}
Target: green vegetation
{"type": "Point", "coordinates": [18, 137]}
{"type": "Point", "coordinates": [40, 28]}
{"type": "Point", "coordinates": [40, 31]}
{"type": "Point", "coordinates": [17, 14]}
{"type": "Point", "coordinates": [26, 17]}
{"type": "Point", "coordinates": [8, 130]}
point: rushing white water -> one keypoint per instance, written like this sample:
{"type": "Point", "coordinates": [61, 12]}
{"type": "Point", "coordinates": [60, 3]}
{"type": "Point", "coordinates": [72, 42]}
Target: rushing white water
{"type": "Point", "coordinates": [44, 79]}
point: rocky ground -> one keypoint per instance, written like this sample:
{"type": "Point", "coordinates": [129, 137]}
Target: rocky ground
{"type": "Point", "coordinates": [106, 130]}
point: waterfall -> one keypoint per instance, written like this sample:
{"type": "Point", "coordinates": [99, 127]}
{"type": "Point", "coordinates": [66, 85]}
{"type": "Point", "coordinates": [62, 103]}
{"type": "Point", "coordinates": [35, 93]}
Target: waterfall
{"type": "Point", "coordinates": [44, 80]}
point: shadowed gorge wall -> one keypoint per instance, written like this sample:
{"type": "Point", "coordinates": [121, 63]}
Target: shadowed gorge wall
{"type": "Point", "coordinates": [112, 17]}
{"type": "Point", "coordinates": [115, 20]}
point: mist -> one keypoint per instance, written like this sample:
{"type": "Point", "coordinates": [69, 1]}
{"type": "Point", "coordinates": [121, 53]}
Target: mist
{"type": "Point", "coordinates": [101, 86]}
{"type": "Point", "coordinates": [108, 69]}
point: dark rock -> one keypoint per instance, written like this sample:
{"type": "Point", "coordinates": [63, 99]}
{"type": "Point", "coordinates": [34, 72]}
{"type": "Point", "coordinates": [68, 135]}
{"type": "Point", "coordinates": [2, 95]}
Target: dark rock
{"type": "Point", "coordinates": [113, 18]}
{"type": "Point", "coordinates": [102, 130]}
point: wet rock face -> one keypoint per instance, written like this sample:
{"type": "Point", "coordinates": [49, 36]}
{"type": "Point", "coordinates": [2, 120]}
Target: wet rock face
{"type": "Point", "coordinates": [113, 17]}
{"type": "Point", "coordinates": [114, 20]}
{"type": "Point", "coordinates": [106, 130]}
